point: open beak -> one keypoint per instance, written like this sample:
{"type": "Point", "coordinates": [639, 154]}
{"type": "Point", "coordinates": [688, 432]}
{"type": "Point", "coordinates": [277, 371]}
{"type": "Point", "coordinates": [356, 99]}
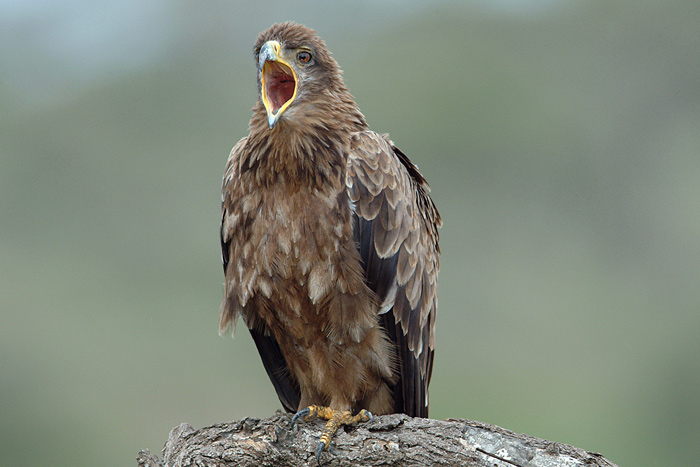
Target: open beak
{"type": "Point", "coordinates": [279, 82]}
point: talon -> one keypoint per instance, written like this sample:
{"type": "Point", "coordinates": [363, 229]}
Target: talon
{"type": "Point", "coordinates": [366, 415]}
{"type": "Point", "coordinates": [336, 419]}
{"type": "Point", "coordinates": [300, 414]}
{"type": "Point", "coordinates": [319, 450]}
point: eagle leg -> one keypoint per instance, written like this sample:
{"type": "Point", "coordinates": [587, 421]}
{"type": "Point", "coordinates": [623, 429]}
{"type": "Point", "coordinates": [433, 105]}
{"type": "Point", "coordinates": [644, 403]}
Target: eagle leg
{"type": "Point", "coordinates": [335, 418]}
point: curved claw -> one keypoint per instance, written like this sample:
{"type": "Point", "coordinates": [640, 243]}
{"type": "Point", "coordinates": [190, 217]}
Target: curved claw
{"type": "Point", "coordinates": [319, 450]}
{"type": "Point", "coordinates": [367, 414]}
{"type": "Point", "coordinates": [300, 414]}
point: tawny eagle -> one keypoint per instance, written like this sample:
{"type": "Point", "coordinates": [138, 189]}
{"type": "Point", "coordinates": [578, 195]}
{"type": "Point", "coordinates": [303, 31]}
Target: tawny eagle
{"type": "Point", "coordinates": [329, 243]}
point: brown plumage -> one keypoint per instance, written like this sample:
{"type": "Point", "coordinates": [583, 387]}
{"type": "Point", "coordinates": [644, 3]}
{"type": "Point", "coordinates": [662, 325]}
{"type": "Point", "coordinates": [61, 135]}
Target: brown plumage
{"type": "Point", "coordinates": [329, 241]}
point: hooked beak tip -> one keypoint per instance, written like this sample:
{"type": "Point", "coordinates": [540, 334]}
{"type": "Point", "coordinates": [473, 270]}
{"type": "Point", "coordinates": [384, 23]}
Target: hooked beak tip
{"type": "Point", "coordinates": [269, 51]}
{"type": "Point", "coordinates": [271, 120]}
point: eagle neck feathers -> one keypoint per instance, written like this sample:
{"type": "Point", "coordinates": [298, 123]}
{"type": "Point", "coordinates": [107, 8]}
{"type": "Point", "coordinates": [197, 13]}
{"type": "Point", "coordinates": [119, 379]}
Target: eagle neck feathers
{"type": "Point", "coordinates": [306, 150]}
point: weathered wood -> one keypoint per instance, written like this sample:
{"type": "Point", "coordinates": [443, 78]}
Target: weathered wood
{"type": "Point", "coordinates": [390, 440]}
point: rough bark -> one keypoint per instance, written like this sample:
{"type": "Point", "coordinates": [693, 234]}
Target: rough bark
{"type": "Point", "coordinates": [390, 440]}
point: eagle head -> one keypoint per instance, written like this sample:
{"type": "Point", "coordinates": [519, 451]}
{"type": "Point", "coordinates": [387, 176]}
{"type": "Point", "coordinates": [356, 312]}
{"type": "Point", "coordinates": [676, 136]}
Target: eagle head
{"type": "Point", "coordinates": [295, 69]}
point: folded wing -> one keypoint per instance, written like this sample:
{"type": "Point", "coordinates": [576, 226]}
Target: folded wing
{"type": "Point", "coordinates": [396, 231]}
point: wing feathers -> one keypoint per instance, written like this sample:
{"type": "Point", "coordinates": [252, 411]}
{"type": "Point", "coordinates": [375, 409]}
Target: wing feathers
{"type": "Point", "coordinates": [239, 284]}
{"type": "Point", "coordinates": [396, 231]}
{"type": "Point", "coordinates": [287, 388]}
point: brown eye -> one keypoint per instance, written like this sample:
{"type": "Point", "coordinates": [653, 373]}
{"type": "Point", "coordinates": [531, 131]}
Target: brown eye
{"type": "Point", "coordinates": [304, 57]}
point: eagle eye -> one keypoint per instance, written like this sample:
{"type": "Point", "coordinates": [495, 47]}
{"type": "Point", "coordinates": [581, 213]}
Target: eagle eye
{"type": "Point", "coordinates": [304, 56]}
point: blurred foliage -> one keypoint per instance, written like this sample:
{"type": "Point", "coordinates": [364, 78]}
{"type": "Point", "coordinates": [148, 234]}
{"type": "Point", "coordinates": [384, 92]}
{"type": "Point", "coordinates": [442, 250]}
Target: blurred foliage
{"type": "Point", "coordinates": [564, 154]}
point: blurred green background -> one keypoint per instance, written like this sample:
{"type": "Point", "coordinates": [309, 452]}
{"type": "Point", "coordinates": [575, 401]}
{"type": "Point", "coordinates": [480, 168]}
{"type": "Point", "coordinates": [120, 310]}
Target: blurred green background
{"type": "Point", "coordinates": [562, 143]}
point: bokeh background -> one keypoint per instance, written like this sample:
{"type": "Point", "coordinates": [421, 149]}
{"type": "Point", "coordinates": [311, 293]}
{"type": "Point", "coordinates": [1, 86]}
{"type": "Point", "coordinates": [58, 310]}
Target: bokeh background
{"type": "Point", "coordinates": [562, 142]}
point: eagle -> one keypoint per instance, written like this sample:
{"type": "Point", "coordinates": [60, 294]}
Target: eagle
{"type": "Point", "coordinates": [329, 243]}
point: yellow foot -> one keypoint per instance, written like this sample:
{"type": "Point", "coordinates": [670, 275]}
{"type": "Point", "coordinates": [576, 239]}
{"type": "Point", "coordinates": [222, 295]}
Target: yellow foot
{"type": "Point", "coordinates": [335, 418]}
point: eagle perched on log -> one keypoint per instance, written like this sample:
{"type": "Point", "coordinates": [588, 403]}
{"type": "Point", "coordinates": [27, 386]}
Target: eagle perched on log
{"type": "Point", "coordinates": [329, 244]}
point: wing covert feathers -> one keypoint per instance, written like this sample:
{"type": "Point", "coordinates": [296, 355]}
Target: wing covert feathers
{"type": "Point", "coordinates": [229, 311]}
{"type": "Point", "coordinates": [396, 230]}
